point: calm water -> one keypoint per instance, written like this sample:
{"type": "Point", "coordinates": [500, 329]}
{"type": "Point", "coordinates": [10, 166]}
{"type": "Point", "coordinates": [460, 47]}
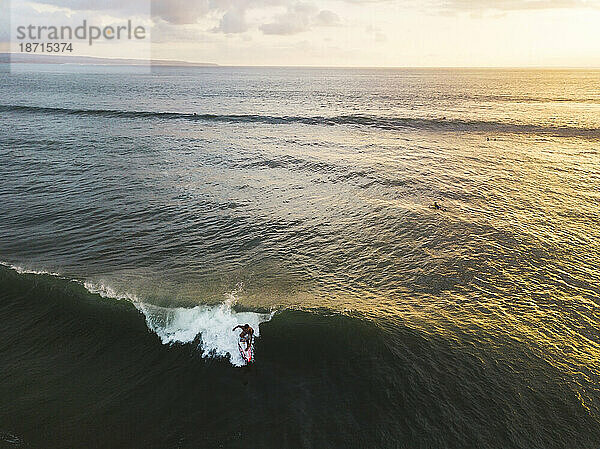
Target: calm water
{"type": "Point", "coordinates": [143, 216]}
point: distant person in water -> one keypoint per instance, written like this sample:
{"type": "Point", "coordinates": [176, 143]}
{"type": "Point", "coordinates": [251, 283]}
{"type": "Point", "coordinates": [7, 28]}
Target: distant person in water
{"type": "Point", "coordinates": [246, 335]}
{"type": "Point", "coordinates": [436, 206]}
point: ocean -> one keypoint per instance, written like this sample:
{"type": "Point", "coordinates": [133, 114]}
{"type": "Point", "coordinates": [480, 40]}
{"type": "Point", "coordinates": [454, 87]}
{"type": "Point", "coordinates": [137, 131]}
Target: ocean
{"type": "Point", "coordinates": [144, 215]}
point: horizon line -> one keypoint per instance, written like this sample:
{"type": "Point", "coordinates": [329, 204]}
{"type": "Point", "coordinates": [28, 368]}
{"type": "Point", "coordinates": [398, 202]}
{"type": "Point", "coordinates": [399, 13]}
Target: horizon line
{"type": "Point", "coordinates": [198, 64]}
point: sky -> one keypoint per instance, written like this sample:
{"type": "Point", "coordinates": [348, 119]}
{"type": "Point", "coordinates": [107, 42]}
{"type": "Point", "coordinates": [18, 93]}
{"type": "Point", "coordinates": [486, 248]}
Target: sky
{"type": "Point", "coordinates": [355, 33]}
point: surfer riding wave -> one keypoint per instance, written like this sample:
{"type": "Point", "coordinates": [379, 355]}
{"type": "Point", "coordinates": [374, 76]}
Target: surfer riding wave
{"type": "Point", "coordinates": [246, 334]}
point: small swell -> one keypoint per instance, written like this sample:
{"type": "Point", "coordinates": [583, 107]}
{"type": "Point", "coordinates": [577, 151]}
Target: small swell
{"type": "Point", "coordinates": [386, 123]}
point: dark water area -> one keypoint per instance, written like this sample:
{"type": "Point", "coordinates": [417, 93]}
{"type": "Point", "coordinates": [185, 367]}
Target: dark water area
{"type": "Point", "coordinates": [143, 216]}
{"type": "Point", "coordinates": [87, 373]}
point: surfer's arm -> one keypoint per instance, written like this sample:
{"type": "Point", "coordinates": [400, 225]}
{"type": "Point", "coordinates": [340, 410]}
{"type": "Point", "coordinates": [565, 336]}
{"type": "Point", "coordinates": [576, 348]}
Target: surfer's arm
{"type": "Point", "coordinates": [236, 327]}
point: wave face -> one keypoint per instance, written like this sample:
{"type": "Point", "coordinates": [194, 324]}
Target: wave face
{"type": "Point", "coordinates": [91, 361]}
{"type": "Point", "coordinates": [210, 327]}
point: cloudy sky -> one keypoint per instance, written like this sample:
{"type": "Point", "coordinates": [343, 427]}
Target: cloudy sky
{"type": "Point", "coordinates": [376, 33]}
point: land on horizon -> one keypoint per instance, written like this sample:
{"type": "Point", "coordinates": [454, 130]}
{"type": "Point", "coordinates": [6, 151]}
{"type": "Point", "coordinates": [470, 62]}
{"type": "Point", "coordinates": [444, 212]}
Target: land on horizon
{"type": "Point", "coordinates": [27, 58]}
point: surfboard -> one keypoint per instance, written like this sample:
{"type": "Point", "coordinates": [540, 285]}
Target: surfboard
{"type": "Point", "coordinates": [247, 354]}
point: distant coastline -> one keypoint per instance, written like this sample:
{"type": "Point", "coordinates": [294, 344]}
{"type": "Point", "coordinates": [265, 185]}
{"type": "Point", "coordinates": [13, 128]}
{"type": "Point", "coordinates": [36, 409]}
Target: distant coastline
{"type": "Point", "coordinates": [29, 58]}
{"type": "Point", "coordinates": [21, 58]}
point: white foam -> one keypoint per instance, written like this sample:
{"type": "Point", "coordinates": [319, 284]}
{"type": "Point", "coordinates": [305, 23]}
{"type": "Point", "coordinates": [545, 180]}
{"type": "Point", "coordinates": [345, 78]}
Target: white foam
{"type": "Point", "coordinates": [106, 291]}
{"type": "Point", "coordinates": [213, 324]}
{"type": "Point", "coordinates": [21, 270]}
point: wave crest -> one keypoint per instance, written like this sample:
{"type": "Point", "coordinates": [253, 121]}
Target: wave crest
{"type": "Point", "coordinates": [380, 122]}
{"type": "Point", "coordinates": [211, 324]}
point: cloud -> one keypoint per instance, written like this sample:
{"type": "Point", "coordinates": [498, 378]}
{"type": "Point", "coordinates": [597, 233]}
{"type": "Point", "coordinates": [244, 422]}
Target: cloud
{"type": "Point", "coordinates": [358, 2]}
{"type": "Point", "coordinates": [233, 21]}
{"type": "Point", "coordinates": [295, 20]}
{"type": "Point", "coordinates": [378, 35]}
{"type": "Point", "coordinates": [298, 18]}
{"type": "Point", "coordinates": [232, 13]}
{"type": "Point", "coordinates": [190, 11]}
{"type": "Point", "coordinates": [165, 32]}
{"type": "Point", "coordinates": [483, 5]}
{"type": "Point", "coordinates": [327, 18]}
{"type": "Point", "coordinates": [180, 12]}
{"type": "Point", "coordinates": [129, 7]}
{"type": "Point", "coordinates": [227, 16]}
{"type": "Point", "coordinates": [514, 5]}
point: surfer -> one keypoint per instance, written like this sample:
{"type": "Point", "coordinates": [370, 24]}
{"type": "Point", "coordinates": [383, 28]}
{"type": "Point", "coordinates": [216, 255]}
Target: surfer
{"type": "Point", "coordinates": [246, 334]}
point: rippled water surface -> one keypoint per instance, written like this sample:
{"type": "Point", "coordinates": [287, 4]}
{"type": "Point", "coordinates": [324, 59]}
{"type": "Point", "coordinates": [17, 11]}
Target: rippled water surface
{"type": "Point", "coordinates": [187, 200]}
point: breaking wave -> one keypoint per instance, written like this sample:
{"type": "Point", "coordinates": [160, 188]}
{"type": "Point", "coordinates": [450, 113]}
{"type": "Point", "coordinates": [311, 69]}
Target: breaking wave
{"type": "Point", "coordinates": [212, 325]}
{"type": "Point", "coordinates": [208, 325]}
